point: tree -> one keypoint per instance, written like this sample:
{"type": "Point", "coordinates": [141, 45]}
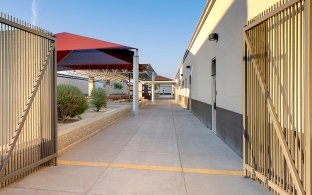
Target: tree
{"type": "Point", "coordinates": [98, 98]}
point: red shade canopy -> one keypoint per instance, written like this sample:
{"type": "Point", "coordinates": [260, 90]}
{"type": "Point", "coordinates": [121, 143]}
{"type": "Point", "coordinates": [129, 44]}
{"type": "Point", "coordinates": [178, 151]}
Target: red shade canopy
{"type": "Point", "coordinates": [75, 52]}
{"type": "Point", "coordinates": [68, 41]}
{"type": "Point", "coordinates": [91, 59]}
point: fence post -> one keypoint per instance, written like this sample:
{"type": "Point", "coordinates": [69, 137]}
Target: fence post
{"type": "Point", "coordinates": [307, 98]}
{"type": "Point", "coordinates": [244, 94]}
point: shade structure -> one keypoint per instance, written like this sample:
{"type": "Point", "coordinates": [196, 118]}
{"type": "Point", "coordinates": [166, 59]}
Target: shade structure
{"type": "Point", "coordinates": [75, 52]}
{"type": "Point", "coordinates": [92, 59]}
{"type": "Point", "coordinates": [69, 41]}
{"type": "Point", "coordinates": [145, 73]}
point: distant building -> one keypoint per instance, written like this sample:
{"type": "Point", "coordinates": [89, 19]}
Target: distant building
{"type": "Point", "coordinates": [80, 82]}
{"type": "Point", "coordinates": [163, 87]}
{"type": "Point", "coordinates": [83, 84]}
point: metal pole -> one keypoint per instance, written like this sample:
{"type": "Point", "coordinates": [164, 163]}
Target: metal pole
{"type": "Point", "coordinates": [91, 85]}
{"type": "Point", "coordinates": [129, 87]}
{"type": "Point", "coordinates": [153, 87]}
{"type": "Point", "coordinates": [135, 108]}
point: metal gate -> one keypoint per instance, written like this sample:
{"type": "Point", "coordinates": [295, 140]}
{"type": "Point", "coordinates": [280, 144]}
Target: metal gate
{"type": "Point", "coordinates": [275, 137]}
{"type": "Point", "coordinates": [27, 99]}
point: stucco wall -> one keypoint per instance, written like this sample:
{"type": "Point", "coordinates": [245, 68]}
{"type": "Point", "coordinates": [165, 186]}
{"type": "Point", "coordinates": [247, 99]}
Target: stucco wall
{"type": "Point", "coordinates": [255, 7]}
{"type": "Point", "coordinates": [81, 84]}
{"type": "Point", "coordinates": [227, 19]}
{"type": "Point", "coordinates": [111, 89]}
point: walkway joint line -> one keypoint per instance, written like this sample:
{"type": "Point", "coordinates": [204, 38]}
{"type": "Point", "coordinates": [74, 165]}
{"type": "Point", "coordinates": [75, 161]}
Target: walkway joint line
{"type": "Point", "coordinates": [152, 168]}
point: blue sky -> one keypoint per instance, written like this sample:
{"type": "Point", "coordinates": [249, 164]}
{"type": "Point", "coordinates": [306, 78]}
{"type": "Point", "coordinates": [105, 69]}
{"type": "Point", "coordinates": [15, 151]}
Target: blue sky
{"type": "Point", "coordinates": [161, 29]}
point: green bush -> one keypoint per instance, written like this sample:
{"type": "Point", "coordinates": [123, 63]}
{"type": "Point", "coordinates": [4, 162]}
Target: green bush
{"type": "Point", "coordinates": [118, 86]}
{"type": "Point", "coordinates": [70, 102]}
{"type": "Point", "coordinates": [98, 98]}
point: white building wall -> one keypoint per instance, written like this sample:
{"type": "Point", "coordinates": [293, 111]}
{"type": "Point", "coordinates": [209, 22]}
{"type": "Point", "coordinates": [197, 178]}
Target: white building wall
{"type": "Point", "coordinates": [255, 7]}
{"type": "Point", "coordinates": [124, 90]}
{"type": "Point", "coordinates": [81, 84]}
{"type": "Point", "coordinates": [227, 19]}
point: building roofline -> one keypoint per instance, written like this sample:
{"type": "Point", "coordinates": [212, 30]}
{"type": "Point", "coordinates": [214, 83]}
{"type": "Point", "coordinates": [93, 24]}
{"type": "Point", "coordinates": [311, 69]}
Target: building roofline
{"type": "Point", "coordinates": [200, 24]}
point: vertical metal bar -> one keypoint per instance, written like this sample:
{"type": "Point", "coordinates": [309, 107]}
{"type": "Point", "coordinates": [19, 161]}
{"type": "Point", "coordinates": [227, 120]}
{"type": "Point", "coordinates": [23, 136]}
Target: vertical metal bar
{"type": "Point", "coordinates": [308, 95]}
{"type": "Point", "coordinates": [288, 128]}
{"type": "Point", "coordinates": [54, 110]}
{"type": "Point", "coordinates": [244, 91]}
{"type": "Point", "coordinates": [297, 94]}
{"type": "Point", "coordinates": [301, 76]}
{"type": "Point", "coordinates": [14, 64]}
{"type": "Point", "coordinates": [2, 89]}
{"type": "Point", "coordinates": [10, 87]}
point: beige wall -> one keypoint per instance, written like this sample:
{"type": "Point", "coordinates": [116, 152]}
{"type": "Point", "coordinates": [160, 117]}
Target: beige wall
{"type": "Point", "coordinates": [255, 7]}
{"type": "Point", "coordinates": [226, 18]}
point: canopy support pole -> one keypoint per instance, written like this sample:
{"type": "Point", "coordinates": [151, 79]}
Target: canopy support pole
{"type": "Point", "coordinates": [153, 87]}
{"type": "Point", "coordinates": [135, 107]}
{"type": "Point", "coordinates": [91, 85]}
{"type": "Point", "coordinates": [129, 88]}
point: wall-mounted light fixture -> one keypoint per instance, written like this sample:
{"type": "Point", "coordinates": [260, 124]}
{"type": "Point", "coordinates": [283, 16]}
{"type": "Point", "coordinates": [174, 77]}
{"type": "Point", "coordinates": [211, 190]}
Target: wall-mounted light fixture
{"type": "Point", "coordinates": [188, 67]}
{"type": "Point", "coordinates": [213, 37]}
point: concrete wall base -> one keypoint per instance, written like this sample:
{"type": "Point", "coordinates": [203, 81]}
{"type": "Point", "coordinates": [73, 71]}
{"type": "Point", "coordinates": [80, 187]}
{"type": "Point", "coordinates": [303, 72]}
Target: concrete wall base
{"type": "Point", "coordinates": [229, 124]}
{"type": "Point", "coordinates": [202, 111]}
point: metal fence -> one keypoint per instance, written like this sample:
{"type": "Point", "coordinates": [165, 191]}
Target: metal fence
{"type": "Point", "coordinates": [275, 137]}
{"type": "Point", "coordinates": [27, 99]}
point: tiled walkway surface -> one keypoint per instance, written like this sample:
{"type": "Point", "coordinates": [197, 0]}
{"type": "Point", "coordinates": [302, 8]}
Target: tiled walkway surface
{"type": "Point", "coordinates": [166, 150]}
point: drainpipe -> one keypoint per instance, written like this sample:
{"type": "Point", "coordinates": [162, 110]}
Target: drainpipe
{"type": "Point", "coordinates": [135, 107]}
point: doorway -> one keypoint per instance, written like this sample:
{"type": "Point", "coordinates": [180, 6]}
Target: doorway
{"type": "Point", "coordinates": [213, 95]}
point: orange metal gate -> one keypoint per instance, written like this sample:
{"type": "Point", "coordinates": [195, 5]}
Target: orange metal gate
{"type": "Point", "coordinates": [27, 99]}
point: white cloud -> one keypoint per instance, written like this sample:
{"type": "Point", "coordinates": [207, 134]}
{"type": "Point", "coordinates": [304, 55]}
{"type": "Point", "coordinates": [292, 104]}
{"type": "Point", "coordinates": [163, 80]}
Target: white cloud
{"type": "Point", "coordinates": [34, 10]}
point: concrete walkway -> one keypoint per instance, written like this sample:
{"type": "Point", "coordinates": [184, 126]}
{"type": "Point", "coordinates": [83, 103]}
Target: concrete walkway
{"type": "Point", "coordinates": [166, 150]}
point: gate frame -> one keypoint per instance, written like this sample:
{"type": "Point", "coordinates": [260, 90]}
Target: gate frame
{"type": "Point", "coordinates": [307, 95]}
{"type": "Point", "coordinates": [49, 61]}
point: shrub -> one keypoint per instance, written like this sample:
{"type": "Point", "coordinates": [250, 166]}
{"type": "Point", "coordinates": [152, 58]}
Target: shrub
{"type": "Point", "coordinates": [98, 98]}
{"type": "Point", "coordinates": [70, 102]}
{"type": "Point", "coordinates": [118, 86]}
